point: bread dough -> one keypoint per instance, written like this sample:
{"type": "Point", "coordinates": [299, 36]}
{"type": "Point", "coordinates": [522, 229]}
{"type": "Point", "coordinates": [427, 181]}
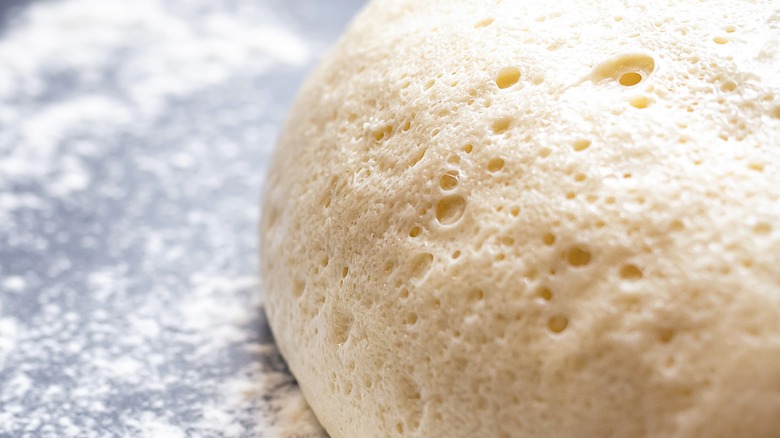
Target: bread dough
{"type": "Point", "coordinates": [534, 219]}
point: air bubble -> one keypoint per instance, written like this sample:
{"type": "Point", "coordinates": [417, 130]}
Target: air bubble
{"type": "Point", "coordinates": [548, 239]}
{"type": "Point", "coordinates": [728, 86]}
{"type": "Point", "coordinates": [450, 209]}
{"type": "Point", "coordinates": [557, 323]}
{"type": "Point", "coordinates": [639, 102]}
{"type": "Point", "coordinates": [476, 295]}
{"type": "Point", "coordinates": [417, 157]}
{"type": "Point", "coordinates": [720, 40]}
{"type": "Point", "coordinates": [762, 228]}
{"type": "Point", "coordinates": [448, 181]}
{"type": "Point", "coordinates": [345, 272]}
{"type": "Point", "coordinates": [421, 264]}
{"type": "Point", "coordinates": [495, 165]}
{"type": "Point", "coordinates": [630, 79]}
{"type": "Point", "coordinates": [501, 125]}
{"type": "Point", "coordinates": [545, 293]}
{"type": "Point", "coordinates": [298, 288]}
{"type": "Point", "coordinates": [627, 70]}
{"type": "Point", "coordinates": [507, 77]}
{"type": "Point", "coordinates": [383, 133]}
{"type": "Point", "coordinates": [665, 335]}
{"type": "Point", "coordinates": [581, 145]}
{"type": "Point", "coordinates": [578, 256]}
{"type": "Point", "coordinates": [485, 22]}
{"type": "Point", "coordinates": [630, 272]}
{"type": "Point", "coordinates": [415, 231]}
{"type": "Point", "coordinates": [468, 148]}
{"type": "Point", "coordinates": [340, 326]}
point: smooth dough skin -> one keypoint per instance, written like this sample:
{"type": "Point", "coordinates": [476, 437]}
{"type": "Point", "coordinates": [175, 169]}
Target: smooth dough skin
{"type": "Point", "coordinates": [528, 218]}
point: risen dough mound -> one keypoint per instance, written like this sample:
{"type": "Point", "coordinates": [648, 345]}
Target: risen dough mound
{"type": "Point", "coordinates": [534, 219]}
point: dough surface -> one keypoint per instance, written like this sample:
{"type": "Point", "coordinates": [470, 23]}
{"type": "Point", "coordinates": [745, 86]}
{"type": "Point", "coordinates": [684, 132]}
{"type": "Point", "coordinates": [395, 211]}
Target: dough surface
{"type": "Point", "coordinates": [534, 219]}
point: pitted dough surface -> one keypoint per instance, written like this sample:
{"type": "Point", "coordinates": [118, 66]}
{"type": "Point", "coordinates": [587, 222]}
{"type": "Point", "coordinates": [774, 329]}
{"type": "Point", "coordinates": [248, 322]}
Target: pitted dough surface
{"type": "Point", "coordinates": [534, 219]}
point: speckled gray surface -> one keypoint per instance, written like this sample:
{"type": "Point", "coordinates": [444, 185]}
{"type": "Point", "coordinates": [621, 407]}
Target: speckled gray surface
{"type": "Point", "coordinates": [129, 304]}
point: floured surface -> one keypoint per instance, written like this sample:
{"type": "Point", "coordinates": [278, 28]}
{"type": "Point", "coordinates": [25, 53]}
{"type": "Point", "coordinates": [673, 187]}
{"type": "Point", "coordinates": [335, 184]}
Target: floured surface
{"type": "Point", "coordinates": [523, 218]}
{"type": "Point", "coordinates": [130, 139]}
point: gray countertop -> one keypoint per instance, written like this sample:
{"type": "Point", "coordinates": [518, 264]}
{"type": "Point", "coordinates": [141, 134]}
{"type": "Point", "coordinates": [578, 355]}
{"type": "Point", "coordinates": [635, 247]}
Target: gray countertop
{"type": "Point", "coordinates": [133, 142]}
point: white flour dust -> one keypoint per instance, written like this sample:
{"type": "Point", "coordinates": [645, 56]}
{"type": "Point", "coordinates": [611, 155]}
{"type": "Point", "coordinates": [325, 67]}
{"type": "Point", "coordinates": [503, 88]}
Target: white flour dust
{"type": "Point", "coordinates": [148, 53]}
{"type": "Point", "coordinates": [133, 139]}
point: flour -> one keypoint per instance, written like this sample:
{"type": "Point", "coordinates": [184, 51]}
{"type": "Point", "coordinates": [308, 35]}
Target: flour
{"type": "Point", "coordinates": [151, 55]}
{"type": "Point", "coordinates": [132, 140]}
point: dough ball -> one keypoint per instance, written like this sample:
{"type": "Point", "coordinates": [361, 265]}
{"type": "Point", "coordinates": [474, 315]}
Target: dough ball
{"type": "Point", "coordinates": [534, 219]}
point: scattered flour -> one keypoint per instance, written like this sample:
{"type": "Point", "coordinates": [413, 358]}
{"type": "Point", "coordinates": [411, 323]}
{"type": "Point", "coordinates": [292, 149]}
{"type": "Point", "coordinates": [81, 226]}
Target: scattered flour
{"type": "Point", "coordinates": [148, 53]}
{"type": "Point", "coordinates": [129, 144]}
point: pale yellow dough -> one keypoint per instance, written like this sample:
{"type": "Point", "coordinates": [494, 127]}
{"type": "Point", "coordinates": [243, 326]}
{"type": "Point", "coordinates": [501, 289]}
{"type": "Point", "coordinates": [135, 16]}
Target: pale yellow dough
{"type": "Point", "coordinates": [534, 219]}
